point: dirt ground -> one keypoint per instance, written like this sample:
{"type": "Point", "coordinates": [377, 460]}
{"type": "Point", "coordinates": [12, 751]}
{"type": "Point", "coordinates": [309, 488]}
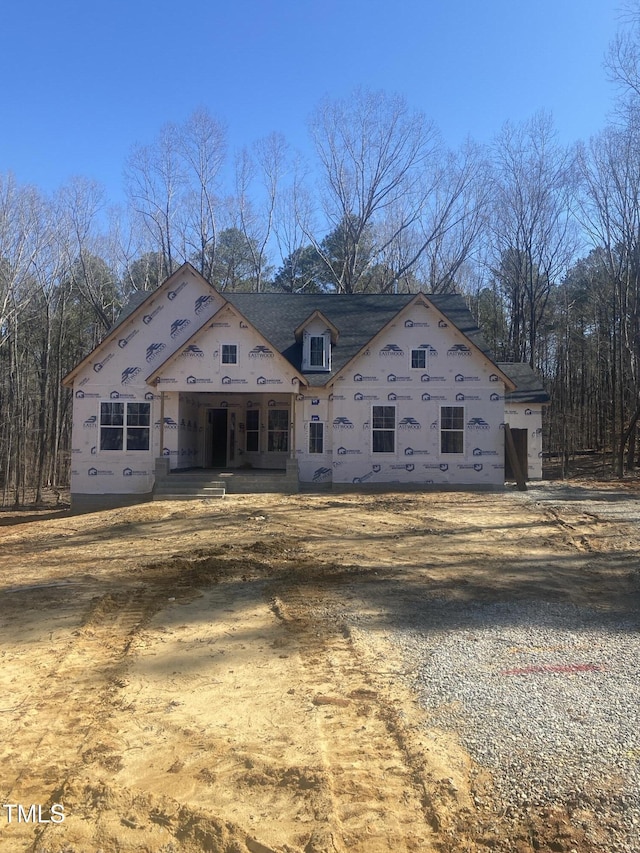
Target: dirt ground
{"type": "Point", "coordinates": [216, 676]}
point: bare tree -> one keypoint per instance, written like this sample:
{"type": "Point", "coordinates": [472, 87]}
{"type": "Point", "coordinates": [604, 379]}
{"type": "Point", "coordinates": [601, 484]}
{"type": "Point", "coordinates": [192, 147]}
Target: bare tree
{"type": "Point", "coordinates": [155, 184]}
{"type": "Point", "coordinates": [610, 168]}
{"type": "Point", "coordinates": [259, 174]}
{"type": "Point", "coordinates": [203, 148]}
{"type": "Point", "coordinates": [533, 231]}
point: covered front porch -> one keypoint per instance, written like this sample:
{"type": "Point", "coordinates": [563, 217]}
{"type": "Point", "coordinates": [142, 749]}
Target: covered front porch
{"type": "Point", "coordinates": [238, 443]}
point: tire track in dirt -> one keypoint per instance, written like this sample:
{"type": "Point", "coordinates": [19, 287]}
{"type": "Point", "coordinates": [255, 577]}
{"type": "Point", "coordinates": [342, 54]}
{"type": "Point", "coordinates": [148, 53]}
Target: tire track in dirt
{"type": "Point", "coordinates": [373, 801]}
{"type": "Point", "coordinates": [74, 703]}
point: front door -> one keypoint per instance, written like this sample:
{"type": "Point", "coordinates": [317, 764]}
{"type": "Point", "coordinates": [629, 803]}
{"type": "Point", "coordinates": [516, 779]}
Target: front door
{"type": "Point", "coordinates": [218, 432]}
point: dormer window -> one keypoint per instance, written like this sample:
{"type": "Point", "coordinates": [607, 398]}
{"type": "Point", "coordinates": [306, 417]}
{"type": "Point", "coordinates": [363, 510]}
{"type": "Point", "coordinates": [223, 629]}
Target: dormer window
{"type": "Point", "coordinates": [318, 352]}
{"type": "Point", "coordinates": [317, 335]}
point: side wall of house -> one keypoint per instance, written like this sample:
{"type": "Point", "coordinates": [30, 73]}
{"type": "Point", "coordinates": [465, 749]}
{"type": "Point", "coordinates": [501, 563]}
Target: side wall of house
{"type": "Point", "coordinates": [528, 416]}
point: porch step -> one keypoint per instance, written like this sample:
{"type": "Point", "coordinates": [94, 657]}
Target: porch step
{"type": "Point", "coordinates": [180, 488]}
{"type": "Point", "coordinates": [197, 484]}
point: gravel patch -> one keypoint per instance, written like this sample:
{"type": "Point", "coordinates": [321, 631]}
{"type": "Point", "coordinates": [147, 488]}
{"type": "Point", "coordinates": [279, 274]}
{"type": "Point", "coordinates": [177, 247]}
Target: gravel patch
{"type": "Point", "coordinates": [544, 695]}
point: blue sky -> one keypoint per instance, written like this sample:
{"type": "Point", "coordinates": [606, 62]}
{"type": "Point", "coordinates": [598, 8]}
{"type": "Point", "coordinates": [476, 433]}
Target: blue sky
{"type": "Point", "coordinates": [82, 82]}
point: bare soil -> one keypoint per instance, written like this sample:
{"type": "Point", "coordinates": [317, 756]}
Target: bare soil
{"type": "Point", "coordinates": [216, 676]}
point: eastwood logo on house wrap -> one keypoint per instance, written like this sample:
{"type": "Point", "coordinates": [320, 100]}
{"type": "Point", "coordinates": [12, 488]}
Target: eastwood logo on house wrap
{"type": "Point", "coordinates": [171, 295]}
{"type": "Point", "coordinates": [122, 343]}
{"type": "Point", "coordinates": [191, 380]}
{"type": "Point", "coordinates": [411, 324]}
{"type": "Point", "coordinates": [260, 351]}
{"type": "Point", "coordinates": [442, 466]}
{"type": "Point", "coordinates": [358, 377]}
{"type": "Point", "coordinates": [202, 302]}
{"type": "Point", "coordinates": [391, 350]}
{"type": "Point", "coordinates": [477, 423]}
{"type": "Point", "coordinates": [154, 350]}
{"type": "Point", "coordinates": [169, 423]}
{"type": "Point", "coordinates": [100, 364]}
{"type": "Point", "coordinates": [409, 423]}
{"type": "Point", "coordinates": [192, 351]}
{"type": "Point", "coordinates": [360, 396]}
{"type": "Point", "coordinates": [477, 466]}
{"type": "Point", "coordinates": [262, 381]}
{"type": "Point", "coordinates": [321, 474]}
{"type": "Point", "coordinates": [408, 466]}
{"type": "Point", "coordinates": [342, 423]}
{"type": "Point", "coordinates": [459, 351]}
{"type": "Point", "coordinates": [459, 377]}
{"type": "Point", "coordinates": [91, 422]}
{"type": "Point", "coordinates": [409, 451]}
{"type": "Point", "coordinates": [149, 318]}
{"type": "Point", "coordinates": [367, 476]}
{"type": "Point", "coordinates": [178, 327]}
{"type": "Point", "coordinates": [129, 374]}
{"type": "Point", "coordinates": [227, 380]}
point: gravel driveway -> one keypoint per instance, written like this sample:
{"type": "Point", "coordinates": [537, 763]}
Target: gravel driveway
{"type": "Point", "coordinates": [545, 694]}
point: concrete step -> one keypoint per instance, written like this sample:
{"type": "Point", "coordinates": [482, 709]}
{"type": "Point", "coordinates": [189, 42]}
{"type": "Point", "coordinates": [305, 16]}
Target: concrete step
{"type": "Point", "coordinates": [184, 496]}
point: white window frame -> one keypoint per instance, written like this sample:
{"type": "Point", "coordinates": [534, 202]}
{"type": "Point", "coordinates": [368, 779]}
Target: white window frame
{"type": "Point", "coordinates": [418, 350]}
{"type": "Point", "coordinates": [450, 430]}
{"type": "Point", "coordinates": [222, 349]}
{"type": "Point", "coordinates": [375, 430]}
{"type": "Point", "coordinates": [325, 337]}
{"type": "Point", "coordinates": [248, 431]}
{"type": "Point", "coordinates": [125, 427]}
{"type": "Point", "coordinates": [313, 424]}
{"type": "Point", "coordinates": [283, 432]}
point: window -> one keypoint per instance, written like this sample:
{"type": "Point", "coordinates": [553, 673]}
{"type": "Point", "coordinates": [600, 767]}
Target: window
{"type": "Point", "coordinates": [124, 426]}
{"type": "Point", "coordinates": [384, 429]}
{"type": "Point", "coordinates": [316, 351]}
{"type": "Point", "coordinates": [419, 359]}
{"type": "Point", "coordinates": [316, 437]}
{"type": "Point", "coordinates": [252, 431]}
{"type": "Point", "coordinates": [229, 353]}
{"type": "Point", "coordinates": [278, 431]}
{"type": "Point", "coordinates": [452, 429]}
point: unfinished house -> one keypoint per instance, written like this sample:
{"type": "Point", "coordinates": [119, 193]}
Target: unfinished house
{"type": "Point", "coordinates": [195, 392]}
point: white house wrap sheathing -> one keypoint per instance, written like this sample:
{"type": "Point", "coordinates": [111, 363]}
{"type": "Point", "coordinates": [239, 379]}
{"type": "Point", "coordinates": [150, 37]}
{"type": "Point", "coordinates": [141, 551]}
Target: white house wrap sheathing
{"type": "Point", "coordinates": [419, 402]}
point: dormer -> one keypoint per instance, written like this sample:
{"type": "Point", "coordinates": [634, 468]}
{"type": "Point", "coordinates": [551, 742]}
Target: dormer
{"type": "Point", "coordinates": [317, 335]}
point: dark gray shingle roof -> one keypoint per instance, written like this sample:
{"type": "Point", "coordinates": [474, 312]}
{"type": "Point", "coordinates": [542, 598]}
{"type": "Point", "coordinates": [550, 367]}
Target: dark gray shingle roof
{"type": "Point", "coordinates": [358, 317]}
{"type": "Point", "coordinates": [529, 385]}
